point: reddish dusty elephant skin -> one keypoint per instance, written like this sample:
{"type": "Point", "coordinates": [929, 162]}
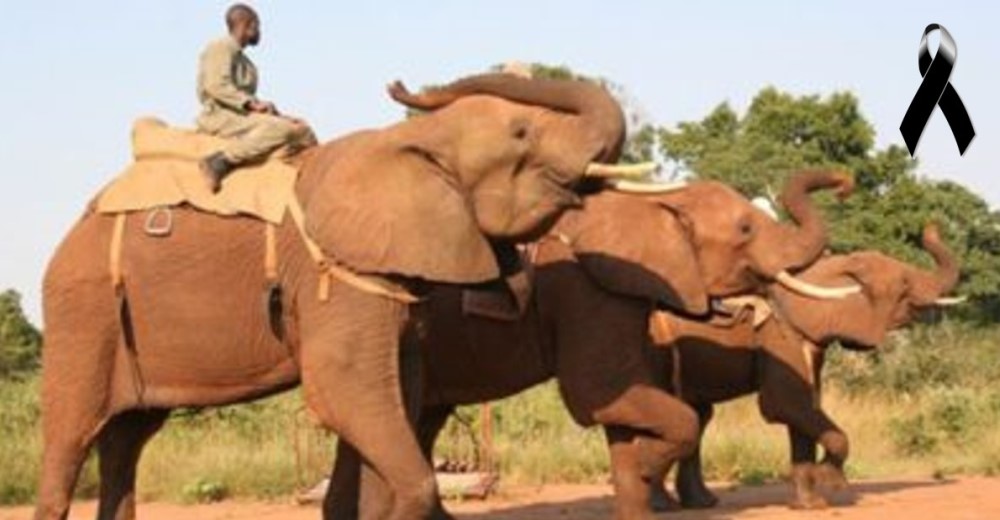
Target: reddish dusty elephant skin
{"type": "Point", "coordinates": [723, 361]}
{"type": "Point", "coordinates": [598, 276]}
{"type": "Point", "coordinates": [419, 200]}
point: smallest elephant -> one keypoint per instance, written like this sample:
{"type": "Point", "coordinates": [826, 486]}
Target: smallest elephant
{"type": "Point", "coordinates": [782, 358]}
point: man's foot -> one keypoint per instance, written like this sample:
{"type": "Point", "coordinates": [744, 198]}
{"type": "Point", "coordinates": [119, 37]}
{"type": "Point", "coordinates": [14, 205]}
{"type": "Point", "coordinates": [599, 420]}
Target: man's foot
{"type": "Point", "coordinates": [215, 167]}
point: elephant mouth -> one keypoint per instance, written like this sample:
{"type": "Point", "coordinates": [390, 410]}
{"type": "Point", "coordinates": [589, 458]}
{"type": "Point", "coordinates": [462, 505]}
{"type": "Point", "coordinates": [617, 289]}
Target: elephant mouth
{"type": "Point", "coordinates": [856, 346]}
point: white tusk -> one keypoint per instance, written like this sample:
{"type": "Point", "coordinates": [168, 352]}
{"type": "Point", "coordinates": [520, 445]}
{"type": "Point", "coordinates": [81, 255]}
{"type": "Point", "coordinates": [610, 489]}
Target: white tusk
{"type": "Point", "coordinates": [815, 291]}
{"type": "Point", "coordinates": [949, 302]}
{"type": "Point", "coordinates": [620, 170]}
{"type": "Point", "coordinates": [646, 187]}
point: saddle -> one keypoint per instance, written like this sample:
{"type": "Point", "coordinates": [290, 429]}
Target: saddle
{"type": "Point", "coordinates": [165, 173]}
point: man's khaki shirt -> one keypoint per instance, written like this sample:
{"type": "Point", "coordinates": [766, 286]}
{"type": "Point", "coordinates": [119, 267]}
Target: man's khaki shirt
{"type": "Point", "coordinates": [227, 79]}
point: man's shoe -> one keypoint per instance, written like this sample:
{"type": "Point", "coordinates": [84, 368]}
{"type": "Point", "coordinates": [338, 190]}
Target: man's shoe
{"type": "Point", "coordinates": [215, 167]}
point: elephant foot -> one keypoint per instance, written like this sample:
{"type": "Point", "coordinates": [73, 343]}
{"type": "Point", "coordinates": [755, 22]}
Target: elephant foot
{"type": "Point", "coordinates": [808, 501]}
{"type": "Point", "coordinates": [803, 482]}
{"type": "Point", "coordinates": [661, 501]}
{"type": "Point", "coordinates": [698, 498]}
{"type": "Point", "coordinates": [441, 514]}
{"type": "Point", "coordinates": [830, 477]}
{"type": "Point", "coordinates": [643, 515]}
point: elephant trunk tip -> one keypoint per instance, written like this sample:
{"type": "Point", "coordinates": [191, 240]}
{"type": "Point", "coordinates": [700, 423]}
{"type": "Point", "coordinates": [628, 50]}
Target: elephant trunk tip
{"type": "Point", "coordinates": [845, 185]}
{"type": "Point", "coordinates": [947, 273]}
{"type": "Point", "coordinates": [428, 100]}
{"type": "Point", "coordinates": [931, 235]}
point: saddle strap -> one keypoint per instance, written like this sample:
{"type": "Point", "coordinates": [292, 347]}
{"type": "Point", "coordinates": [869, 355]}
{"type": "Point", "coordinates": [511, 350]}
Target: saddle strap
{"type": "Point", "coordinates": [329, 270]}
{"type": "Point", "coordinates": [115, 251]}
{"type": "Point", "coordinates": [270, 253]}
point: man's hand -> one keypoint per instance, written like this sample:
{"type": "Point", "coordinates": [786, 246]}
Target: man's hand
{"type": "Point", "coordinates": [263, 107]}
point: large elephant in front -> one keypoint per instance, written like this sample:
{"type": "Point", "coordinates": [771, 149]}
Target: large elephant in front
{"type": "Point", "coordinates": [782, 358]}
{"type": "Point", "coordinates": [495, 159]}
{"type": "Point", "coordinates": [598, 276]}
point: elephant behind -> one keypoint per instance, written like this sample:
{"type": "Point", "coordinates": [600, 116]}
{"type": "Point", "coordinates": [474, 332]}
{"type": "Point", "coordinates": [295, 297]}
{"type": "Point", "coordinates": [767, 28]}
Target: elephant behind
{"type": "Point", "coordinates": [782, 359]}
{"type": "Point", "coordinates": [494, 160]}
{"type": "Point", "coordinates": [598, 276]}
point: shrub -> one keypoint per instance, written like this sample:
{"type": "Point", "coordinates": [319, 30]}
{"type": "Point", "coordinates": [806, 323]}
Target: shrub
{"type": "Point", "coordinates": [204, 491]}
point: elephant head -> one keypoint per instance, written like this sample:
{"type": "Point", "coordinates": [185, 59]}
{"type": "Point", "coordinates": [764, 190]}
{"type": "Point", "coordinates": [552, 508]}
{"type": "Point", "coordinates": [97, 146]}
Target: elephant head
{"type": "Point", "coordinates": [892, 293]}
{"type": "Point", "coordinates": [496, 157]}
{"type": "Point", "coordinates": [699, 240]}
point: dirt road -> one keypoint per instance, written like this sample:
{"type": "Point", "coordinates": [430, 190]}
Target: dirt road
{"type": "Point", "coordinates": [960, 499]}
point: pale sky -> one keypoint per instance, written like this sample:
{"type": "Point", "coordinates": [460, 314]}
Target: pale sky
{"type": "Point", "coordinates": [76, 74]}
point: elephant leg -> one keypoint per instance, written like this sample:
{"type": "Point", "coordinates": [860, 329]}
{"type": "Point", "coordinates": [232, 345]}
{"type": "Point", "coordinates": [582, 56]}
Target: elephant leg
{"type": "Point", "coordinates": [119, 446]}
{"type": "Point", "coordinates": [432, 421]}
{"type": "Point", "coordinates": [374, 491]}
{"type": "Point", "coordinates": [631, 489]}
{"type": "Point", "coordinates": [342, 497]}
{"type": "Point", "coordinates": [660, 500]}
{"type": "Point", "coordinates": [691, 488]}
{"type": "Point", "coordinates": [830, 471]}
{"type": "Point", "coordinates": [803, 451]}
{"type": "Point", "coordinates": [351, 378]}
{"type": "Point", "coordinates": [62, 459]}
{"type": "Point", "coordinates": [75, 395]}
{"type": "Point", "coordinates": [342, 501]}
{"type": "Point", "coordinates": [671, 432]}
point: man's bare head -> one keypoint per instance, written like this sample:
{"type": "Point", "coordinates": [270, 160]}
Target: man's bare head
{"type": "Point", "coordinates": [243, 24]}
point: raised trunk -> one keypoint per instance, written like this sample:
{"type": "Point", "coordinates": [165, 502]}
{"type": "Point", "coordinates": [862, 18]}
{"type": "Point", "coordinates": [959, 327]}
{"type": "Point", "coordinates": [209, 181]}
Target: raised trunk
{"type": "Point", "coordinates": [599, 113]}
{"type": "Point", "coordinates": [802, 244]}
{"type": "Point", "coordinates": [928, 286]}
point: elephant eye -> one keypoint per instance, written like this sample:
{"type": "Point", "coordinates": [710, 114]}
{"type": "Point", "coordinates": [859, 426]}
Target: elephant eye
{"type": "Point", "coordinates": [520, 132]}
{"type": "Point", "coordinates": [746, 228]}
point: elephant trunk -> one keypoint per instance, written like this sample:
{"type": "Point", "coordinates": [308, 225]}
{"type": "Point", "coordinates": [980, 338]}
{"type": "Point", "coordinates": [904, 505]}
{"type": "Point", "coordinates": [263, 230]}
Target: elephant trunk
{"type": "Point", "coordinates": [806, 241]}
{"type": "Point", "coordinates": [929, 286]}
{"type": "Point", "coordinates": [601, 121]}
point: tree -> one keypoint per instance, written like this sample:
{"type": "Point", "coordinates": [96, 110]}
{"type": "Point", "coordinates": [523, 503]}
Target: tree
{"type": "Point", "coordinates": [20, 341]}
{"type": "Point", "coordinates": [781, 133]}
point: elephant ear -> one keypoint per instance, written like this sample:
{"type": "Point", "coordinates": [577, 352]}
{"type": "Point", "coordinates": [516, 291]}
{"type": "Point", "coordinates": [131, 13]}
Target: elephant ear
{"type": "Point", "coordinates": [632, 245]}
{"type": "Point", "coordinates": [392, 210]}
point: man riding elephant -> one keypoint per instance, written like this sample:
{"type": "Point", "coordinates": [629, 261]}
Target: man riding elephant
{"type": "Point", "coordinates": [227, 88]}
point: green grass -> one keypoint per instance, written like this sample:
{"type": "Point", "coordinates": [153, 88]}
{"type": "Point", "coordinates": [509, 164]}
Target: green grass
{"type": "Point", "coordinates": [926, 405]}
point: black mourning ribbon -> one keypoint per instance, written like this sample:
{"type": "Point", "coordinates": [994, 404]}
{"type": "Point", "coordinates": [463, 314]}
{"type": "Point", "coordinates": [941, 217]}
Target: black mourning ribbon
{"type": "Point", "coordinates": [936, 89]}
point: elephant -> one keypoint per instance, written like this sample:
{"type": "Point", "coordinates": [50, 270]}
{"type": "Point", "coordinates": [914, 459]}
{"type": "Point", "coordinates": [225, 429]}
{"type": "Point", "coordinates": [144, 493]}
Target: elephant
{"type": "Point", "coordinates": [782, 358]}
{"type": "Point", "coordinates": [491, 161]}
{"type": "Point", "coordinates": [597, 278]}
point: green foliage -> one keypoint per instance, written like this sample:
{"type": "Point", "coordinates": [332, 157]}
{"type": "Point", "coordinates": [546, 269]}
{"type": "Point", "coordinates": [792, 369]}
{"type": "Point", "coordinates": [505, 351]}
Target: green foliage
{"type": "Point", "coordinates": [920, 359]}
{"type": "Point", "coordinates": [913, 436]}
{"type": "Point", "coordinates": [204, 491]}
{"type": "Point", "coordinates": [535, 440]}
{"type": "Point", "coordinates": [20, 341]}
{"type": "Point", "coordinates": [781, 133]}
{"type": "Point", "coordinates": [19, 444]}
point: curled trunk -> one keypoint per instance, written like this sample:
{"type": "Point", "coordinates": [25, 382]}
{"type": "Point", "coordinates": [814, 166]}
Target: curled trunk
{"type": "Point", "coordinates": [801, 244]}
{"type": "Point", "coordinates": [929, 286]}
{"type": "Point", "coordinates": [600, 117]}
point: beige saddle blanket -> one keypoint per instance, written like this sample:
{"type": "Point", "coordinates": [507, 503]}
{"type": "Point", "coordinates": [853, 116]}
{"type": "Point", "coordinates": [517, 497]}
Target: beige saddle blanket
{"type": "Point", "coordinates": [165, 173]}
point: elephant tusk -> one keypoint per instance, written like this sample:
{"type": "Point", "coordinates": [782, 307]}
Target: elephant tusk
{"type": "Point", "coordinates": [950, 302]}
{"type": "Point", "coordinates": [620, 170]}
{"type": "Point", "coordinates": [626, 186]}
{"type": "Point", "coordinates": [815, 291]}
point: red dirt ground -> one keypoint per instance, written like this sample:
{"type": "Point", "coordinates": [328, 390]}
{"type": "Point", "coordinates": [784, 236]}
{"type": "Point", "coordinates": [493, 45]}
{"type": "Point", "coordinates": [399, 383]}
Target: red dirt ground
{"type": "Point", "coordinates": [959, 499]}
